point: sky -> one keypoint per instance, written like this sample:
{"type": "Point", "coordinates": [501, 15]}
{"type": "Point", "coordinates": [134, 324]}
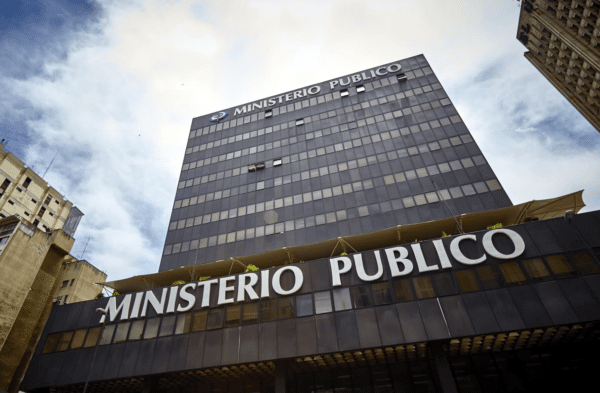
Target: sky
{"type": "Point", "coordinates": [111, 87]}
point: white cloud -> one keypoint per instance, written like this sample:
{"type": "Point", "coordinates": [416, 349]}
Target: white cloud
{"type": "Point", "coordinates": [118, 109]}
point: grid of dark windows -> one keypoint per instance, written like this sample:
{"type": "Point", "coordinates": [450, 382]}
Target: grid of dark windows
{"type": "Point", "coordinates": [347, 160]}
{"type": "Point", "coordinates": [399, 290]}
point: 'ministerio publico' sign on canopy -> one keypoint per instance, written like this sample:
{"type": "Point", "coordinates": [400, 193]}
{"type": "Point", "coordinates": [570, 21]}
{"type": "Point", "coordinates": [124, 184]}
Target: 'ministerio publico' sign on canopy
{"type": "Point", "coordinates": [400, 260]}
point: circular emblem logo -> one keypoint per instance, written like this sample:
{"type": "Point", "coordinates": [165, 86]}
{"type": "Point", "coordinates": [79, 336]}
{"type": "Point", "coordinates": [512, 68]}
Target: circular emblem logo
{"type": "Point", "coordinates": [218, 116]}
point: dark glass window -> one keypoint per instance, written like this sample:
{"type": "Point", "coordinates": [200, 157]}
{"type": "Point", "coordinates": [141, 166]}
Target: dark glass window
{"type": "Point", "coordinates": [560, 266]}
{"type": "Point", "coordinates": [151, 328]}
{"type": "Point", "coordinates": [232, 315]}
{"type": "Point", "coordinates": [78, 338]}
{"type": "Point", "coordinates": [512, 273]}
{"type": "Point", "coordinates": [183, 323]}
{"type": "Point", "coordinates": [268, 310]}
{"type": "Point", "coordinates": [536, 269]}
{"type": "Point", "coordinates": [167, 326]}
{"type": "Point", "coordinates": [304, 305]}
{"type": "Point", "coordinates": [50, 344]}
{"type": "Point", "coordinates": [107, 334]}
{"type": "Point", "coordinates": [65, 340]}
{"type": "Point", "coordinates": [584, 263]}
{"type": "Point", "coordinates": [444, 284]}
{"type": "Point", "coordinates": [381, 293]}
{"type": "Point", "coordinates": [199, 320]}
{"type": "Point", "coordinates": [92, 337]}
{"type": "Point", "coordinates": [137, 328]}
{"type": "Point", "coordinates": [467, 280]}
{"type": "Point", "coordinates": [361, 296]}
{"type": "Point", "coordinates": [215, 318]}
{"type": "Point", "coordinates": [489, 276]}
{"type": "Point", "coordinates": [250, 313]}
{"type": "Point", "coordinates": [323, 302]}
{"type": "Point", "coordinates": [121, 333]}
{"type": "Point", "coordinates": [286, 308]}
{"type": "Point", "coordinates": [402, 291]}
{"type": "Point", "coordinates": [423, 287]}
{"type": "Point", "coordinates": [341, 299]}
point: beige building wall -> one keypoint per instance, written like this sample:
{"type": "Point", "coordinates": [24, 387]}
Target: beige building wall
{"type": "Point", "coordinates": [79, 282]}
{"type": "Point", "coordinates": [31, 263]}
{"type": "Point", "coordinates": [563, 38]}
{"type": "Point", "coordinates": [24, 193]}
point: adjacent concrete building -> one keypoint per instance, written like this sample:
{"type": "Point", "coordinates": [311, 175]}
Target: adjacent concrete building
{"type": "Point", "coordinates": [31, 262]}
{"type": "Point", "coordinates": [37, 225]}
{"type": "Point", "coordinates": [80, 281]}
{"type": "Point", "coordinates": [24, 193]}
{"type": "Point", "coordinates": [563, 39]}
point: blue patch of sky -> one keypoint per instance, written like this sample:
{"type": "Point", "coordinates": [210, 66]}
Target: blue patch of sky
{"type": "Point", "coordinates": [493, 70]}
{"type": "Point", "coordinates": [570, 132]}
{"type": "Point", "coordinates": [32, 34]}
{"type": "Point", "coordinates": [200, 11]}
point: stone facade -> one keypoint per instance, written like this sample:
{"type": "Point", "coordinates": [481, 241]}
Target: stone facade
{"type": "Point", "coordinates": [563, 38]}
{"type": "Point", "coordinates": [24, 193]}
{"type": "Point", "coordinates": [79, 282]}
{"type": "Point", "coordinates": [30, 263]}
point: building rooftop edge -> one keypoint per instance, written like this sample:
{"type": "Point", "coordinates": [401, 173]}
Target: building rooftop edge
{"type": "Point", "coordinates": [304, 87]}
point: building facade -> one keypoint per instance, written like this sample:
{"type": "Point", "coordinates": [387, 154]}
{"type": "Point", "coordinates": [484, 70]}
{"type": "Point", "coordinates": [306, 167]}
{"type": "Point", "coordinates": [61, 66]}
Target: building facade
{"type": "Point", "coordinates": [80, 281]}
{"type": "Point", "coordinates": [37, 225]}
{"type": "Point", "coordinates": [385, 257]}
{"type": "Point", "coordinates": [563, 42]}
{"type": "Point", "coordinates": [356, 154]}
{"type": "Point", "coordinates": [31, 262]}
{"type": "Point", "coordinates": [513, 308]}
{"type": "Point", "coordinates": [24, 193]}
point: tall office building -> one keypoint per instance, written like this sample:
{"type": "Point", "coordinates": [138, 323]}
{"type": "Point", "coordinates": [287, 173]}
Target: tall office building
{"type": "Point", "coordinates": [495, 298]}
{"type": "Point", "coordinates": [368, 151]}
{"type": "Point", "coordinates": [563, 38]}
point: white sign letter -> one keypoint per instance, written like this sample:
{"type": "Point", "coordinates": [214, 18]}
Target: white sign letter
{"type": "Point", "coordinates": [336, 271]}
{"type": "Point", "coordinates": [421, 262]}
{"type": "Point", "coordinates": [264, 283]}
{"type": "Point", "coordinates": [223, 289]}
{"type": "Point", "coordinates": [459, 256]}
{"type": "Point", "coordinates": [393, 261]}
{"type": "Point", "coordinates": [206, 292]}
{"type": "Point", "coordinates": [246, 287]}
{"type": "Point", "coordinates": [298, 280]}
{"type": "Point", "coordinates": [172, 299]}
{"type": "Point", "coordinates": [514, 237]}
{"type": "Point", "coordinates": [360, 268]}
{"type": "Point", "coordinates": [158, 306]}
{"type": "Point", "coordinates": [113, 310]}
{"type": "Point", "coordinates": [188, 297]}
{"type": "Point", "coordinates": [439, 247]}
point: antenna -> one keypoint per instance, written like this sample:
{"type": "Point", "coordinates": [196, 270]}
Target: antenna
{"type": "Point", "coordinates": [84, 248]}
{"type": "Point", "coordinates": [447, 206]}
{"type": "Point", "coordinates": [44, 175]}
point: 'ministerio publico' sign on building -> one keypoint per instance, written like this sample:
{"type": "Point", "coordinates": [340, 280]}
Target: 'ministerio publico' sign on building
{"type": "Point", "coordinates": [400, 260]}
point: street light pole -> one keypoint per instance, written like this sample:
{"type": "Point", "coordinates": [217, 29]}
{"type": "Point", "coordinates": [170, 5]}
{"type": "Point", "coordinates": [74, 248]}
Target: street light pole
{"type": "Point", "coordinates": [87, 379]}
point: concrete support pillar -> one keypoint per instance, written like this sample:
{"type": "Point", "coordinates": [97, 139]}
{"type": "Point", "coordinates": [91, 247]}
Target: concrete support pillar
{"type": "Point", "coordinates": [150, 384]}
{"type": "Point", "coordinates": [281, 376]}
{"type": "Point", "coordinates": [440, 366]}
